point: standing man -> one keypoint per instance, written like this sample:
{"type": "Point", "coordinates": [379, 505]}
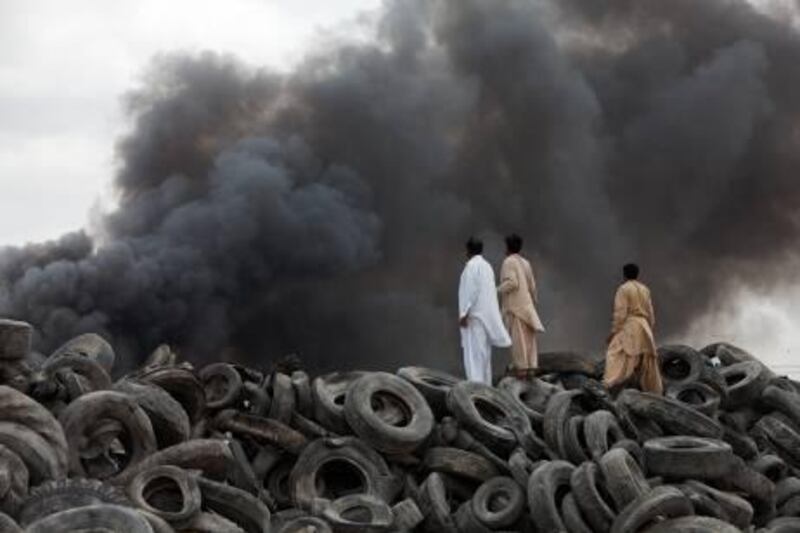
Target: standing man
{"type": "Point", "coordinates": [631, 357]}
{"type": "Point", "coordinates": [479, 315]}
{"type": "Point", "coordinates": [518, 295]}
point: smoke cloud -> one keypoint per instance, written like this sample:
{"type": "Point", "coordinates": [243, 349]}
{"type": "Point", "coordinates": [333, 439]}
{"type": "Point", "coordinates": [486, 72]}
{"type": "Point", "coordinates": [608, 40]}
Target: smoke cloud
{"type": "Point", "coordinates": [324, 211]}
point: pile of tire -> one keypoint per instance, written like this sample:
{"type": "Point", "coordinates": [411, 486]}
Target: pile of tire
{"type": "Point", "coordinates": [226, 448]}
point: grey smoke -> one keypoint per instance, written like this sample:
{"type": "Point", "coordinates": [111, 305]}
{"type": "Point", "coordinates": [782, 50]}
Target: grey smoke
{"type": "Point", "coordinates": [323, 211]}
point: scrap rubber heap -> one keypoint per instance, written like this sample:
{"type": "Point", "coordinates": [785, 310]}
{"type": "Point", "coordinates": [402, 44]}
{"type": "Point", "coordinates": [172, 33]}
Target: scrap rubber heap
{"type": "Point", "coordinates": [225, 448]}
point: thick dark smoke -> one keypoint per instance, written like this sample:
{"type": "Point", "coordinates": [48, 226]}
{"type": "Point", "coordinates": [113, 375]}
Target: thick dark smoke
{"type": "Point", "coordinates": [323, 212]}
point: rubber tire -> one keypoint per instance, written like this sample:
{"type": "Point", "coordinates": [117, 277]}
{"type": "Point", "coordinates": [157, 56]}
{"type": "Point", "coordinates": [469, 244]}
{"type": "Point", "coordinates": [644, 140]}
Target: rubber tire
{"type": "Point", "coordinates": [283, 399]}
{"type": "Point", "coordinates": [575, 440]}
{"type": "Point", "coordinates": [459, 462]}
{"type": "Point", "coordinates": [188, 488]}
{"type": "Point", "coordinates": [511, 510]}
{"type": "Point", "coordinates": [544, 486]}
{"type": "Point", "coordinates": [624, 479]}
{"type": "Point", "coordinates": [771, 466]}
{"type": "Point", "coordinates": [689, 361]}
{"type": "Point", "coordinates": [367, 423]}
{"type": "Point", "coordinates": [745, 382]}
{"type": "Point", "coordinates": [673, 416]}
{"type": "Point", "coordinates": [782, 437]}
{"type": "Point", "coordinates": [688, 457]}
{"type": "Point", "coordinates": [330, 393]}
{"type": "Point", "coordinates": [92, 518]}
{"type": "Point", "coordinates": [572, 517]}
{"type": "Point", "coordinates": [738, 510]}
{"type": "Point", "coordinates": [664, 501]}
{"type": "Point", "coordinates": [685, 393]}
{"type": "Point", "coordinates": [602, 431]}
{"type": "Point", "coordinates": [693, 524]}
{"type": "Point", "coordinates": [594, 501]}
{"type": "Point", "coordinates": [433, 384]}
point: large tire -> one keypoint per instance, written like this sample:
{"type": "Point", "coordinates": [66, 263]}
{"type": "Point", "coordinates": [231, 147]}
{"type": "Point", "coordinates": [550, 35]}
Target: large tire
{"type": "Point", "coordinates": [688, 457]}
{"type": "Point", "coordinates": [362, 408]}
{"type": "Point", "coordinates": [498, 503]}
{"type": "Point", "coordinates": [665, 501]}
{"type": "Point", "coordinates": [592, 497]}
{"type": "Point", "coordinates": [546, 488]}
{"type": "Point", "coordinates": [329, 468]}
{"type": "Point", "coordinates": [624, 479]}
{"type": "Point", "coordinates": [671, 415]}
{"type": "Point", "coordinates": [745, 382]}
{"type": "Point", "coordinates": [490, 414]}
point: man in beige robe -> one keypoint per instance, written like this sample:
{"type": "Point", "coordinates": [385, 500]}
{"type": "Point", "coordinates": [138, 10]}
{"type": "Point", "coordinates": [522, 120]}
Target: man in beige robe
{"type": "Point", "coordinates": [631, 355]}
{"type": "Point", "coordinates": [518, 295]}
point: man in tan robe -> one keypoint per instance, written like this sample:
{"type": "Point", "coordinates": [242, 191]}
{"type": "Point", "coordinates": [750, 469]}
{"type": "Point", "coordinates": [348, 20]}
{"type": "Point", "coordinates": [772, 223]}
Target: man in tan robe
{"type": "Point", "coordinates": [631, 354]}
{"type": "Point", "coordinates": [518, 295]}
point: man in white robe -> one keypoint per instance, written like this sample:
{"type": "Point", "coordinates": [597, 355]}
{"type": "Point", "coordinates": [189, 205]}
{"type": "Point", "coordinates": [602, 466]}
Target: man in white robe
{"type": "Point", "coordinates": [479, 315]}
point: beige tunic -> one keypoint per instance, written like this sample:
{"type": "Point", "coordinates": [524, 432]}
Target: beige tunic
{"type": "Point", "coordinates": [518, 295]}
{"type": "Point", "coordinates": [632, 349]}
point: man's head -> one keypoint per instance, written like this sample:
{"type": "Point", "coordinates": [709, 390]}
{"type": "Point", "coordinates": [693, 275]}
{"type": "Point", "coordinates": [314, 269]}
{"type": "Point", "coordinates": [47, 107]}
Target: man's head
{"type": "Point", "coordinates": [630, 271]}
{"type": "Point", "coordinates": [474, 247]}
{"type": "Point", "coordinates": [513, 244]}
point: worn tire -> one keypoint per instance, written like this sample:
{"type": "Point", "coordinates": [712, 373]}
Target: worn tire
{"type": "Point", "coordinates": [90, 346]}
{"type": "Point", "coordinates": [435, 505]}
{"type": "Point", "coordinates": [498, 503]}
{"type": "Point", "coordinates": [670, 414]}
{"type": "Point", "coordinates": [433, 384]}
{"type": "Point", "coordinates": [771, 466]}
{"type": "Point", "coordinates": [305, 524]}
{"type": "Point", "coordinates": [602, 431]}
{"type": "Point", "coordinates": [362, 407]}
{"type": "Point", "coordinates": [460, 463]}
{"type": "Point", "coordinates": [93, 518]}
{"type": "Point", "coordinates": [592, 497]}
{"type": "Point", "coordinates": [169, 419]}
{"type": "Point", "coordinates": [575, 440]}
{"type": "Point", "coordinates": [222, 385]}
{"type": "Point", "coordinates": [572, 517]}
{"type": "Point", "coordinates": [237, 505]}
{"type": "Point", "coordinates": [688, 457]}
{"type": "Point", "coordinates": [738, 510]}
{"type": "Point", "coordinates": [693, 524]}
{"type": "Point", "coordinates": [181, 384]}
{"type": "Point", "coordinates": [781, 437]}
{"type": "Point", "coordinates": [329, 393]}
{"type": "Point", "coordinates": [489, 414]}
{"type": "Point", "coordinates": [745, 382]}
{"type": "Point", "coordinates": [60, 495]}
{"type": "Point", "coordinates": [680, 364]}
{"type": "Point", "coordinates": [283, 398]}
{"type": "Point", "coordinates": [302, 392]}
{"type": "Point", "coordinates": [624, 479]}
{"type": "Point", "coordinates": [154, 490]}
{"type": "Point", "coordinates": [356, 512]}
{"type": "Point", "coordinates": [696, 395]}
{"type": "Point", "coordinates": [664, 501]}
{"type": "Point", "coordinates": [546, 488]}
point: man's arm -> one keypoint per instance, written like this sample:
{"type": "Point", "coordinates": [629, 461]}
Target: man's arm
{"type": "Point", "coordinates": [467, 293]}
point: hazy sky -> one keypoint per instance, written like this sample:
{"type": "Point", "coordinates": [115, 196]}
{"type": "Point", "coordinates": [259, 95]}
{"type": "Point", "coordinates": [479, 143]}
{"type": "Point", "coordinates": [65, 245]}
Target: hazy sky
{"type": "Point", "coordinates": [65, 65]}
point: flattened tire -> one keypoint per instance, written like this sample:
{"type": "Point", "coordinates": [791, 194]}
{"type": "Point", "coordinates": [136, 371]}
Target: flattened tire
{"type": "Point", "coordinates": [362, 405]}
{"type": "Point", "coordinates": [688, 457]}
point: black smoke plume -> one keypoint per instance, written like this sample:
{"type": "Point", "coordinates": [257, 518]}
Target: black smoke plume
{"type": "Point", "coordinates": [324, 211]}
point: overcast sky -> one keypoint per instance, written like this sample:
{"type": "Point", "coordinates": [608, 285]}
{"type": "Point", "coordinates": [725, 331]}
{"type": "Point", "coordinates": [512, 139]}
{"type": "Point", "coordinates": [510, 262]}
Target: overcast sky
{"type": "Point", "coordinates": [65, 65]}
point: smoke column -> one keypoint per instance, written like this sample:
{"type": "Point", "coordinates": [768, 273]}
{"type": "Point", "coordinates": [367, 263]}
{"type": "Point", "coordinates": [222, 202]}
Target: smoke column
{"type": "Point", "coordinates": [324, 211]}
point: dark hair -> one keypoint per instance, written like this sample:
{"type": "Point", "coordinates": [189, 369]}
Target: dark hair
{"type": "Point", "coordinates": [514, 243]}
{"type": "Point", "coordinates": [630, 271]}
{"type": "Point", "coordinates": [474, 246]}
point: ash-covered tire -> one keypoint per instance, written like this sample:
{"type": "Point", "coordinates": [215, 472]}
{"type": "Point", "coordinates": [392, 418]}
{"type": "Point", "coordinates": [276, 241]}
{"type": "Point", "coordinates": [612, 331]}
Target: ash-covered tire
{"type": "Point", "coordinates": [575, 440]}
{"type": "Point", "coordinates": [283, 399]}
{"type": "Point", "coordinates": [546, 488]}
{"type": "Point", "coordinates": [624, 479]}
{"type": "Point", "coordinates": [693, 524]}
{"type": "Point", "coordinates": [572, 517]}
{"type": "Point", "coordinates": [498, 503]}
{"type": "Point", "coordinates": [169, 419]}
{"type": "Point", "coordinates": [688, 457]}
{"type": "Point", "coordinates": [602, 431]}
{"type": "Point", "coordinates": [222, 384]}
{"type": "Point", "coordinates": [592, 497]}
{"type": "Point", "coordinates": [489, 414]}
{"type": "Point", "coordinates": [369, 394]}
{"type": "Point", "coordinates": [102, 517]}
{"type": "Point", "coordinates": [329, 468]}
{"type": "Point", "coordinates": [329, 393]}
{"type": "Point", "coordinates": [460, 463]}
{"type": "Point", "coordinates": [745, 382]}
{"type": "Point", "coordinates": [168, 492]}
{"type": "Point", "coordinates": [674, 416]}
{"type": "Point", "coordinates": [435, 505]}
{"type": "Point", "coordinates": [55, 496]}
{"type": "Point", "coordinates": [680, 364]}
{"type": "Point", "coordinates": [433, 384]}
{"type": "Point", "coordinates": [696, 395]}
{"type": "Point", "coordinates": [79, 417]}
{"type": "Point", "coordinates": [664, 501]}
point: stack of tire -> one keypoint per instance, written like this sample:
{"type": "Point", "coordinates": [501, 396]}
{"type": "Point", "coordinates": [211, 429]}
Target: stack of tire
{"type": "Point", "coordinates": [226, 448]}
